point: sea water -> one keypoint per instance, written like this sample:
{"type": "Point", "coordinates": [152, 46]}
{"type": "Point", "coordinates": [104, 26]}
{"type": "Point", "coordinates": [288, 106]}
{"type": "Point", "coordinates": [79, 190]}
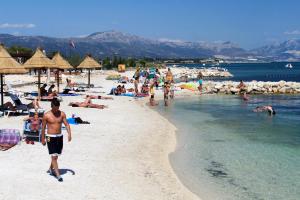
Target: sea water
{"type": "Point", "coordinates": [274, 71]}
{"type": "Point", "coordinates": [225, 151]}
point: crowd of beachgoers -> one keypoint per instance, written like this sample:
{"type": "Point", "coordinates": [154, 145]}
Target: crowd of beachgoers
{"type": "Point", "coordinates": [92, 113]}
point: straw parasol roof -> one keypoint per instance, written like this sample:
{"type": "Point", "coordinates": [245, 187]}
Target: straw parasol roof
{"type": "Point", "coordinates": [39, 60]}
{"type": "Point", "coordinates": [8, 65]}
{"type": "Point", "coordinates": [89, 63]}
{"type": "Point", "coordinates": [60, 62]}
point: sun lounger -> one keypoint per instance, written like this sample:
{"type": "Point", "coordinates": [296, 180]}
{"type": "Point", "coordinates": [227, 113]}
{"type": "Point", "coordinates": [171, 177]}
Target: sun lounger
{"type": "Point", "coordinates": [19, 106]}
{"type": "Point", "coordinates": [32, 97]}
{"type": "Point", "coordinates": [9, 138]}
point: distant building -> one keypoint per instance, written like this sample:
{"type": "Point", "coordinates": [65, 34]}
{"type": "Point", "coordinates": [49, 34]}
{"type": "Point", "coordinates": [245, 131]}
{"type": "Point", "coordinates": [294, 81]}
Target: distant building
{"type": "Point", "coordinates": [187, 61]}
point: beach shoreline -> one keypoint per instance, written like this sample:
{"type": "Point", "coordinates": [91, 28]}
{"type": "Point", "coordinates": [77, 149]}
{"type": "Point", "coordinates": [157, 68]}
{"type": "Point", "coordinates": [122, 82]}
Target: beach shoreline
{"type": "Point", "coordinates": [117, 156]}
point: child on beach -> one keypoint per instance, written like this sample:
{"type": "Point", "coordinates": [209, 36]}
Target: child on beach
{"type": "Point", "coordinates": [35, 122]}
{"type": "Point", "coordinates": [152, 101]}
{"type": "Point", "coordinates": [200, 81]}
{"type": "Point", "coordinates": [166, 92]}
{"type": "Point", "coordinates": [172, 89]}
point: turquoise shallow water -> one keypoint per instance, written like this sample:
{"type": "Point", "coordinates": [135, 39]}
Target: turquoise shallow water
{"type": "Point", "coordinates": [226, 151]}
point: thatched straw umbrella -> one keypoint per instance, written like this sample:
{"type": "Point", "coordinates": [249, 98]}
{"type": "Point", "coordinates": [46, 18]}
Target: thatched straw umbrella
{"type": "Point", "coordinates": [8, 65]}
{"type": "Point", "coordinates": [89, 63]}
{"type": "Point", "coordinates": [61, 63]}
{"type": "Point", "coordinates": [39, 61]}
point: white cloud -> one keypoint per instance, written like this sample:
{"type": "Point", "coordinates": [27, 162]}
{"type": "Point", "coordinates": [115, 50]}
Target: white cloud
{"type": "Point", "coordinates": [7, 25]}
{"type": "Point", "coordinates": [294, 32]}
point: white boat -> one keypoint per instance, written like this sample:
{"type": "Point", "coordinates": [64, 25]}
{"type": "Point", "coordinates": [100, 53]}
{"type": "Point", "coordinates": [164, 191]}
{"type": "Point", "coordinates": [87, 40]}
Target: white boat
{"type": "Point", "coordinates": [289, 65]}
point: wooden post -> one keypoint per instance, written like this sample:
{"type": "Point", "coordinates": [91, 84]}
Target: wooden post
{"type": "Point", "coordinates": [39, 83]}
{"type": "Point", "coordinates": [2, 95]}
{"type": "Point", "coordinates": [57, 76]}
{"type": "Point", "coordinates": [89, 79]}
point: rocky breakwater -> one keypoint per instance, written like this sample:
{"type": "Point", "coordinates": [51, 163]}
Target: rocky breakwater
{"type": "Point", "coordinates": [184, 74]}
{"type": "Point", "coordinates": [253, 87]}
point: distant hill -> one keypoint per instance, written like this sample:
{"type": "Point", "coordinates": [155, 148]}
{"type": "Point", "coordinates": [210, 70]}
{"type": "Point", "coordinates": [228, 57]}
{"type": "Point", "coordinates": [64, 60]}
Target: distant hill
{"type": "Point", "coordinates": [288, 51]}
{"type": "Point", "coordinates": [109, 43]}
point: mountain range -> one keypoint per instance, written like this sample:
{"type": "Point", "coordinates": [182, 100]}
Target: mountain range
{"type": "Point", "coordinates": [110, 43]}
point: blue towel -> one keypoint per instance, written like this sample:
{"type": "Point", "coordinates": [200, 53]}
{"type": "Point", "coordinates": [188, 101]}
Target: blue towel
{"type": "Point", "coordinates": [71, 121]}
{"type": "Point", "coordinates": [71, 94]}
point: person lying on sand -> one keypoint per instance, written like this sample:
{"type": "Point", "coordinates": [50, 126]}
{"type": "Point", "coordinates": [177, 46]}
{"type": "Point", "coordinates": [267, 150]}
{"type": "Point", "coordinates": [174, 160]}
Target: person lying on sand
{"type": "Point", "coordinates": [268, 108]}
{"type": "Point", "coordinates": [97, 97]}
{"type": "Point", "coordinates": [87, 104]}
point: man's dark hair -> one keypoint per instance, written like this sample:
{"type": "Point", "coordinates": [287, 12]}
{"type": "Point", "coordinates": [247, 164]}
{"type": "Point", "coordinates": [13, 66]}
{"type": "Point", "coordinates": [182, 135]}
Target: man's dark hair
{"type": "Point", "coordinates": [55, 103]}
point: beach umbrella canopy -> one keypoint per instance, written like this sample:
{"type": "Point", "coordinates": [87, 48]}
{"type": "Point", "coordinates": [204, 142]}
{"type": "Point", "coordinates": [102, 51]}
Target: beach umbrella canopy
{"type": "Point", "coordinates": [39, 61]}
{"type": "Point", "coordinates": [89, 63]}
{"type": "Point", "coordinates": [8, 65]}
{"type": "Point", "coordinates": [61, 63]}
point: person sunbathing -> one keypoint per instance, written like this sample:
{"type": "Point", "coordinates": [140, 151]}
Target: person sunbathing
{"type": "Point", "coordinates": [8, 106]}
{"type": "Point", "coordinates": [70, 84]}
{"type": "Point", "coordinates": [97, 97]}
{"type": "Point", "coordinates": [51, 92]}
{"type": "Point", "coordinates": [87, 104]}
{"type": "Point", "coordinates": [34, 104]}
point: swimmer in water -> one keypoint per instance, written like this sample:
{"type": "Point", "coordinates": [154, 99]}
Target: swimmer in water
{"type": "Point", "coordinates": [268, 108]}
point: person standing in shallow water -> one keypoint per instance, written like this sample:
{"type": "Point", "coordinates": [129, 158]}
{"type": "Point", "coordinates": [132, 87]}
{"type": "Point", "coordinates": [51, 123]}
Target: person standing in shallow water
{"type": "Point", "coordinates": [200, 81]}
{"type": "Point", "coordinates": [53, 119]}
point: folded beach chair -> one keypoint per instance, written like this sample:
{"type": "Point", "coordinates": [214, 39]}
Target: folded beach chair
{"type": "Point", "coordinates": [9, 138]}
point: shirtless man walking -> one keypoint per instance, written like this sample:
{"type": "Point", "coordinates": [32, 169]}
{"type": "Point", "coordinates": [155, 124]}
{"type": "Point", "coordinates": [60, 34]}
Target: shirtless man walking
{"type": "Point", "coordinates": [53, 119]}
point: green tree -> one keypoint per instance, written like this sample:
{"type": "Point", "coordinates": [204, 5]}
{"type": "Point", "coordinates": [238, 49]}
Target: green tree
{"type": "Point", "coordinates": [130, 62]}
{"type": "Point", "coordinates": [106, 63]}
{"type": "Point", "coordinates": [19, 50]}
{"type": "Point", "coordinates": [74, 60]}
{"type": "Point", "coordinates": [142, 63]}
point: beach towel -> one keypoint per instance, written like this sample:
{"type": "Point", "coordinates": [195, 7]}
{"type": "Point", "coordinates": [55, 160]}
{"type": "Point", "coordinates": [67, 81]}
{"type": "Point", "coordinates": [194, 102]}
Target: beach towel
{"type": "Point", "coordinates": [133, 95]}
{"type": "Point", "coordinates": [76, 121]}
{"type": "Point", "coordinates": [9, 138]}
{"type": "Point", "coordinates": [69, 94]}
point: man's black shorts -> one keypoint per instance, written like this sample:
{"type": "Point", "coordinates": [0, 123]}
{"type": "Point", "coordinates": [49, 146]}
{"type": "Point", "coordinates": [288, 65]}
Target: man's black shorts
{"type": "Point", "coordinates": [55, 144]}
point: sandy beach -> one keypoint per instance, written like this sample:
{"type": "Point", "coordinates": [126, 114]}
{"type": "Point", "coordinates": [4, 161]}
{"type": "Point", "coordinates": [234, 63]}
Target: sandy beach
{"type": "Point", "coordinates": [122, 154]}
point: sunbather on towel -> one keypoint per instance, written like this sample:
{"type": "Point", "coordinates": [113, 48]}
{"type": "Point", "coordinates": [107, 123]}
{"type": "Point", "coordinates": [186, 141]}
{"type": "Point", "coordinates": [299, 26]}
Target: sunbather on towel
{"type": "Point", "coordinates": [97, 97]}
{"type": "Point", "coordinates": [87, 104]}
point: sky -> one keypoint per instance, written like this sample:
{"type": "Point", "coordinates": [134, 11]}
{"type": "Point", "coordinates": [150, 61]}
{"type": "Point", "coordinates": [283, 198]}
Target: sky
{"type": "Point", "coordinates": [248, 23]}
